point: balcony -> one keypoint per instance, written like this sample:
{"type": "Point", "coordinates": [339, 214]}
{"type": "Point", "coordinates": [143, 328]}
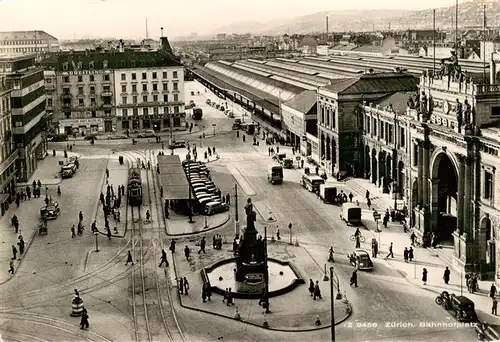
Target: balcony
{"type": "Point", "coordinates": [175, 91]}
{"type": "Point", "coordinates": [107, 105]}
{"type": "Point", "coordinates": [66, 96]}
{"type": "Point", "coordinates": [107, 93]}
{"type": "Point", "coordinates": [165, 91]}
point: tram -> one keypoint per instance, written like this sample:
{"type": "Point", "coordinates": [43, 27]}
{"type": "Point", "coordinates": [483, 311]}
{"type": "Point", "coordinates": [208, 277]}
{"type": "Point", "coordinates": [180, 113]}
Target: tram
{"type": "Point", "coordinates": [134, 189]}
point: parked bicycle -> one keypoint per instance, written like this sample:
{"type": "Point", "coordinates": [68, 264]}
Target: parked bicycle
{"type": "Point", "coordinates": [361, 238]}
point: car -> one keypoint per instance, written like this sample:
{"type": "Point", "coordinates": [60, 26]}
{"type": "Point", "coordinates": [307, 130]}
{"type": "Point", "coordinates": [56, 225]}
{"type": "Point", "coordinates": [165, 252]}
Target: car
{"type": "Point", "coordinates": [177, 144]}
{"type": "Point", "coordinates": [200, 188]}
{"type": "Point", "coordinates": [50, 211]}
{"type": "Point", "coordinates": [58, 137]}
{"type": "Point", "coordinates": [222, 109]}
{"type": "Point", "coordinates": [208, 101]}
{"type": "Point", "coordinates": [90, 137]}
{"type": "Point", "coordinates": [361, 260]}
{"type": "Point", "coordinates": [117, 136]}
{"type": "Point", "coordinates": [230, 115]}
{"type": "Point", "coordinates": [68, 170]}
{"type": "Point", "coordinates": [148, 134]}
{"type": "Point", "coordinates": [215, 207]}
{"type": "Point", "coordinates": [462, 308]}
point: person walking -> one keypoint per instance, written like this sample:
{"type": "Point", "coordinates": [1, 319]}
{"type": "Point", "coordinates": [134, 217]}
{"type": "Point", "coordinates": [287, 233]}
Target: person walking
{"type": "Point", "coordinates": [446, 275]}
{"type": "Point", "coordinates": [354, 278]}
{"type": "Point", "coordinates": [374, 248]}
{"type": "Point", "coordinates": [412, 238]}
{"type": "Point", "coordinates": [411, 256]}
{"type": "Point", "coordinates": [108, 233]}
{"type": "Point", "coordinates": [228, 199]}
{"type": "Point", "coordinates": [148, 216]}
{"type": "Point", "coordinates": [14, 252]}
{"type": "Point", "coordinates": [350, 197]}
{"type": "Point", "coordinates": [317, 291]}
{"type": "Point", "coordinates": [73, 231]}
{"type": "Point", "coordinates": [369, 203]}
{"type": "Point", "coordinates": [208, 291]}
{"type": "Point", "coordinates": [311, 287]}
{"type": "Point", "coordinates": [391, 254]}
{"type": "Point", "coordinates": [84, 321]}
{"type": "Point", "coordinates": [493, 291]}
{"type": "Point", "coordinates": [186, 252]}
{"type": "Point", "coordinates": [11, 267]}
{"type": "Point", "coordinates": [494, 305]}
{"type": "Point", "coordinates": [129, 259]}
{"type": "Point", "coordinates": [278, 234]}
{"type": "Point", "coordinates": [181, 285]}
{"type": "Point", "coordinates": [203, 242]}
{"type": "Point", "coordinates": [224, 298]}
{"type": "Point", "coordinates": [186, 286]}
{"type": "Point", "coordinates": [172, 246]}
{"type": "Point", "coordinates": [204, 293]}
{"type": "Point", "coordinates": [230, 297]}
{"type": "Point", "coordinates": [424, 276]}
{"type": "Point", "coordinates": [163, 259]}
{"type": "Point", "coordinates": [405, 254]}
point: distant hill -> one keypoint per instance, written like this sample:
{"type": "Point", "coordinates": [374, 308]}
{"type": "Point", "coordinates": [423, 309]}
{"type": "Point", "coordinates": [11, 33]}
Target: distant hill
{"type": "Point", "coordinates": [470, 15]}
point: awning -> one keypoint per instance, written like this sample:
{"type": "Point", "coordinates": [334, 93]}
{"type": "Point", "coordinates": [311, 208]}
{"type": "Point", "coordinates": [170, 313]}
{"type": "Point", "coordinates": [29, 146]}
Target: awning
{"type": "Point", "coordinates": [172, 178]}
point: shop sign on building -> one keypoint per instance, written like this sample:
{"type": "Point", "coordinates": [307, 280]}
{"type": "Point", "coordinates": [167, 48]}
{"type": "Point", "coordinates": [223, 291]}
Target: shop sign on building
{"type": "Point", "coordinates": [92, 121]}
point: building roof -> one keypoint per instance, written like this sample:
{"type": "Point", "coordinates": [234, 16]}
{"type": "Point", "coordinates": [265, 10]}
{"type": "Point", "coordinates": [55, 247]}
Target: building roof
{"type": "Point", "coordinates": [303, 102]}
{"type": "Point", "coordinates": [23, 35]}
{"type": "Point", "coordinates": [374, 83]}
{"type": "Point", "coordinates": [344, 47]}
{"type": "Point", "coordinates": [398, 100]}
{"type": "Point", "coordinates": [114, 60]}
{"type": "Point", "coordinates": [309, 41]}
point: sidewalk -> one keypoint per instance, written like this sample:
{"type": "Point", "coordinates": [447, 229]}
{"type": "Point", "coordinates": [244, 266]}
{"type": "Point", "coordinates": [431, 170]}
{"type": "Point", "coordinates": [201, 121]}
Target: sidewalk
{"type": "Point", "coordinates": [433, 259]}
{"type": "Point", "coordinates": [28, 214]}
{"type": "Point", "coordinates": [301, 316]}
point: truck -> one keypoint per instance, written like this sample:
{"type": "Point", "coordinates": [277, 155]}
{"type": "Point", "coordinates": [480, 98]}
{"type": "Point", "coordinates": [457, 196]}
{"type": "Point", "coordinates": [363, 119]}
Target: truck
{"type": "Point", "coordinates": [197, 113]}
{"type": "Point", "coordinates": [328, 193]}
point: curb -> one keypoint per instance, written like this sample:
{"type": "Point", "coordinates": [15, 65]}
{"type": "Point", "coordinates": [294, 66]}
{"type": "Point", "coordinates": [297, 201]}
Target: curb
{"type": "Point", "coordinates": [201, 231]}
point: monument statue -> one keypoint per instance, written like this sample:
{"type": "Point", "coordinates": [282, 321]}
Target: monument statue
{"type": "Point", "coordinates": [251, 255]}
{"type": "Point", "coordinates": [467, 113]}
{"type": "Point", "coordinates": [458, 110]}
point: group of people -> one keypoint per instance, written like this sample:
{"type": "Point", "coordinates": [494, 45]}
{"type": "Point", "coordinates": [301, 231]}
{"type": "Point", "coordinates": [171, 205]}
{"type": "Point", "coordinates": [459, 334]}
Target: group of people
{"type": "Point", "coordinates": [314, 290]}
{"type": "Point", "coordinates": [25, 194]}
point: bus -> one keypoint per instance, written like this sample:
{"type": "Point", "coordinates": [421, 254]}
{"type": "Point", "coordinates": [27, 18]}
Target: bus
{"type": "Point", "coordinates": [312, 182]}
{"type": "Point", "coordinates": [275, 174]}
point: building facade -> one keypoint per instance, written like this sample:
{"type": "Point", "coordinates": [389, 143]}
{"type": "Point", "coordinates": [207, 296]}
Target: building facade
{"type": "Point", "coordinates": [441, 160]}
{"type": "Point", "coordinates": [30, 42]}
{"type": "Point", "coordinates": [8, 152]}
{"type": "Point", "coordinates": [28, 112]}
{"type": "Point", "coordinates": [105, 92]}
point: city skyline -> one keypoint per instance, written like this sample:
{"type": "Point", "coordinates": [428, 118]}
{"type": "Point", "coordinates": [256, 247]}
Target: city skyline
{"type": "Point", "coordinates": [91, 18]}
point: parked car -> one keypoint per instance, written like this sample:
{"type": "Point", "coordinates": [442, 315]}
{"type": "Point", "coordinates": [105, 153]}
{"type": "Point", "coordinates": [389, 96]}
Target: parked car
{"type": "Point", "coordinates": [68, 170]}
{"type": "Point", "coordinates": [50, 211]}
{"type": "Point", "coordinates": [222, 109]}
{"type": "Point", "coordinates": [230, 115]}
{"type": "Point", "coordinates": [361, 260]}
{"type": "Point", "coordinates": [148, 134]}
{"type": "Point", "coordinates": [462, 308]}
{"type": "Point", "coordinates": [58, 137]}
{"type": "Point", "coordinates": [216, 207]}
{"type": "Point", "coordinates": [208, 101]}
{"type": "Point", "coordinates": [177, 144]}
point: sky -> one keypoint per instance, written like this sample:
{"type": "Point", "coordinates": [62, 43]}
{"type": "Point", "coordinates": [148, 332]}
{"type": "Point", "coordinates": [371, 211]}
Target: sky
{"type": "Point", "coordinates": [68, 19]}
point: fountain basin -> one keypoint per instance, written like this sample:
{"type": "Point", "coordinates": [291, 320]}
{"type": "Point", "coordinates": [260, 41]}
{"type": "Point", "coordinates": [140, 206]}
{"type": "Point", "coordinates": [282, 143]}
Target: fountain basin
{"type": "Point", "coordinates": [283, 278]}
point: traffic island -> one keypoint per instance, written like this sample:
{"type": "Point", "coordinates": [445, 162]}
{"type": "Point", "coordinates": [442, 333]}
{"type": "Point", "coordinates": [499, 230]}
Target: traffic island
{"type": "Point", "coordinates": [294, 310]}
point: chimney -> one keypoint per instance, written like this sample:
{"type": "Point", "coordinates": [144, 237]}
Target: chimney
{"type": "Point", "coordinates": [327, 30]}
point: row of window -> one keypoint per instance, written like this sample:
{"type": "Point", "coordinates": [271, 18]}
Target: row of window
{"type": "Point", "coordinates": [106, 78]}
{"type": "Point", "coordinates": [5, 105]}
{"type": "Point", "coordinates": [147, 124]}
{"type": "Point", "coordinates": [92, 89]}
{"type": "Point", "coordinates": [93, 114]}
{"type": "Point", "coordinates": [66, 79]}
{"type": "Point", "coordinates": [144, 75]}
{"type": "Point", "coordinates": [146, 111]}
{"type": "Point", "coordinates": [384, 130]}
{"type": "Point", "coordinates": [145, 87]}
{"type": "Point", "coordinates": [21, 42]}
{"type": "Point", "coordinates": [328, 117]}
{"type": "Point", "coordinates": [145, 98]}
{"type": "Point", "coordinates": [81, 103]}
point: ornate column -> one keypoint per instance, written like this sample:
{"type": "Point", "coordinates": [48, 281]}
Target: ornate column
{"type": "Point", "coordinates": [467, 222]}
{"type": "Point", "coordinates": [460, 194]}
{"type": "Point", "coordinates": [425, 188]}
{"type": "Point", "coordinates": [420, 173]}
{"type": "Point", "coordinates": [434, 205]}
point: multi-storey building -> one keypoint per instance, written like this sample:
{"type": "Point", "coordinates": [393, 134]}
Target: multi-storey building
{"type": "Point", "coordinates": [441, 158]}
{"type": "Point", "coordinates": [92, 92]}
{"type": "Point", "coordinates": [15, 42]}
{"type": "Point", "coordinates": [28, 112]}
{"type": "Point", "coordinates": [8, 152]}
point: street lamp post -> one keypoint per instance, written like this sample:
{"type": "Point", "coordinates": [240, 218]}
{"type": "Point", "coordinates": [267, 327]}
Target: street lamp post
{"type": "Point", "coordinates": [290, 228]}
{"type": "Point", "coordinates": [236, 219]}
{"type": "Point", "coordinates": [338, 297]}
{"type": "Point", "coordinates": [266, 273]}
{"type": "Point", "coordinates": [96, 233]}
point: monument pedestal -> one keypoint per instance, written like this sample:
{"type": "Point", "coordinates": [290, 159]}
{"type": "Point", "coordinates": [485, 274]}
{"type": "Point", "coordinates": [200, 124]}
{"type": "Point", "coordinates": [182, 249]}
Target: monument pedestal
{"type": "Point", "coordinates": [422, 226]}
{"type": "Point", "coordinates": [464, 250]}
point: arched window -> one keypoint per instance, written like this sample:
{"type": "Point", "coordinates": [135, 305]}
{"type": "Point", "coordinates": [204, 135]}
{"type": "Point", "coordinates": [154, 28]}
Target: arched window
{"type": "Point", "coordinates": [91, 65]}
{"type": "Point", "coordinates": [122, 63]}
{"type": "Point", "coordinates": [79, 65]}
{"type": "Point", "coordinates": [65, 66]}
{"type": "Point", "coordinates": [104, 64]}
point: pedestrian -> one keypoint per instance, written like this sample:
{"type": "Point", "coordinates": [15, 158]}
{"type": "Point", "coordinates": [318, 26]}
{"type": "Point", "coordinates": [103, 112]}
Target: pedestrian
{"type": "Point", "coordinates": [391, 254]}
{"type": "Point", "coordinates": [163, 259]}
{"type": "Point", "coordinates": [405, 227]}
{"type": "Point", "coordinates": [374, 248]}
{"type": "Point", "coordinates": [148, 216]}
{"type": "Point", "coordinates": [358, 241]}
{"type": "Point", "coordinates": [230, 298]}
{"type": "Point", "coordinates": [354, 279]}
{"type": "Point", "coordinates": [107, 173]}
{"type": "Point", "coordinates": [226, 293]}
{"type": "Point", "coordinates": [186, 252]}
{"type": "Point", "coordinates": [186, 286]}
{"type": "Point", "coordinates": [369, 203]}
{"type": "Point", "coordinates": [350, 197]}
{"type": "Point", "coordinates": [84, 322]}
{"type": "Point", "coordinates": [39, 184]}
{"type": "Point", "coordinates": [446, 275]}
{"type": "Point", "coordinates": [80, 216]}
{"type": "Point", "coordinates": [14, 252]}
{"type": "Point", "coordinates": [411, 256]}
{"type": "Point", "coordinates": [311, 287]}
{"type": "Point", "coordinates": [108, 233]}
{"type": "Point", "coordinates": [172, 246]}
{"type": "Point", "coordinates": [181, 285]}
{"type": "Point", "coordinates": [493, 290]}
{"type": "Point", "coordinates": [21, 245]}
{"type": "Point", "coordinates": [73, 231]}
{"type": "Point", "coordinates": [405, 254]}
{"type": "Point", "coordinates": [278, 234]}
{"type": "Point", "coordinates": [412, 238]}
{"type": "Point", "coordinates": [28, 192]}
{"type": "Point", "coordinates": [494, 306]}
{"type": "Point", "coordinates": [161, 191]}
{"type": "Point", "coordinates": [424, 276]}
{"type": "Point", "coordinates": [94, 227]}
{"type": "Point", "coordinates": [204, 293]}
{"type": "Point", "coordinates": [317, 291]}
{"type": "Point", "coordinates": [129, 259]}
{"type": "Point", "coordinates": [208, 291]}
{"type": "Point", "coordinates": [228, 199]}
{"type": "Point", "coordinates": [11, 267]}
{"type": "Point", "coordinates": [202, 245]}
{"type": "Point", "coordinates": [59, 190]}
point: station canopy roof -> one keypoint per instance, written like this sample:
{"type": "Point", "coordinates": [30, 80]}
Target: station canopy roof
{"type": "Point", "coordinates": [172, 178]}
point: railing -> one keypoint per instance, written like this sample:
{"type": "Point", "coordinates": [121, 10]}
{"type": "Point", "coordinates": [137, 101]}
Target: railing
{"type": "Point", "coordinates": [66, 96]}
{"type": "Point", "coordinates": [487, 88]}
